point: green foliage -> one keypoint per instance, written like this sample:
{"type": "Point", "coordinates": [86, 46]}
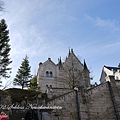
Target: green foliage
{"type": "Point", "coordinates": [33, 83]}
{"type": "Point", "coordinates": [4, 50]}
{"type": "Point", "coordinates": [23, 74]}
{"type": "Point", "coordinates": [18, 95]}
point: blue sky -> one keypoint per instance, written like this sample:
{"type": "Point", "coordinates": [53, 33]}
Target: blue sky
{"type": "Point", "coordinates": [47, 28]}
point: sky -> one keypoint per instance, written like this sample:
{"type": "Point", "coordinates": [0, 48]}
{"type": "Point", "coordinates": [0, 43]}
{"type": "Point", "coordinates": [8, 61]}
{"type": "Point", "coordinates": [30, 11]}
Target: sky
{"type": "Point", "coordinates": [48, 28]}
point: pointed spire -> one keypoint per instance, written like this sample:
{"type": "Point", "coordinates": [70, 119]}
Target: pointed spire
{"type": "Point", "coordinates": [85, 66]}
{"type": "Point", "coordinates": [69, 52]}
{"type": "Point", "coordinates": [60, 63]}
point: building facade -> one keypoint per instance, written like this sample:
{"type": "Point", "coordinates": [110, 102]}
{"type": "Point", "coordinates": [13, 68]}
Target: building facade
{"type": "Point", "coordinates": [63, 75]}
{"type": "Point", "coordinates": [67, 84]}
{"type": "Point", "coordinates": [107, 71]}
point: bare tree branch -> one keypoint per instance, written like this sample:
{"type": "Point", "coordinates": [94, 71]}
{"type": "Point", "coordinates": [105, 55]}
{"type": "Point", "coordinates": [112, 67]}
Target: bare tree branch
{"type": "Point", "coordinates": [2, 4]}
{"type": "Point", "coordinates": [8, 83]}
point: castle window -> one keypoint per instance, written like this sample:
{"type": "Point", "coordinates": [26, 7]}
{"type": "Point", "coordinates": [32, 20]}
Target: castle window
{"type": "Point", "coordinates": [51, 74]}
{"type": "Point", "coordinates": [47, 74]}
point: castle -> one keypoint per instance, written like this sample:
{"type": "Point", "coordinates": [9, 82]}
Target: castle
{"type": "Point", "coordinates": [67, 84]}
{"type": "Point", "coordinates": [64, 75]}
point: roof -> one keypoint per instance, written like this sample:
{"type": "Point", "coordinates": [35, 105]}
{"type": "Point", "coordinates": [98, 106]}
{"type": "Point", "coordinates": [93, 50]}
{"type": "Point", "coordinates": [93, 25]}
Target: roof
{"type": "Point", "coordinates": [49, 61]}
{"type": "Point", "coordinates": [71, 53]}
{"type": "Point", "coordinates": [112, 68]}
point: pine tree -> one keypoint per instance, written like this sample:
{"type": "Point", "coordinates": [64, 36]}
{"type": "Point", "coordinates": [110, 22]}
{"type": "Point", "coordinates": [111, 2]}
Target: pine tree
{"type": "Point", "coordinates": [23, 75]}
{"type": "Point", "coordinates": [4, 50]}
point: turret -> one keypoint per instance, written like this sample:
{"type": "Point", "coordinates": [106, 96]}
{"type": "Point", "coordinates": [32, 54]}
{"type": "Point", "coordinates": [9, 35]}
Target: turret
{"type": "Point", "coordinates": [85, 66]}
{"type": "Point", "coordinates": [86, 73]}
{"type": "Point", "coordinates": [60, 65]}
{"type": "Point", "coordinates": [69, 53]}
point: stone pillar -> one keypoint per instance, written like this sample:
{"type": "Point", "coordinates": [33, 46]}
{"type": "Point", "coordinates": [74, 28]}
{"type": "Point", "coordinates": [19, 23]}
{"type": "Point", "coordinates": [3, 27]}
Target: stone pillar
{"type": "Point", "coordinates": [115, 96]}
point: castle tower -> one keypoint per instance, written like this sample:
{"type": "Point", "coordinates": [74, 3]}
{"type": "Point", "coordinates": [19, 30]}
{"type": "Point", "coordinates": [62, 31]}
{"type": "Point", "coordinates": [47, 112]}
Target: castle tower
{"type": "Point", "coordinates": [64, 75]}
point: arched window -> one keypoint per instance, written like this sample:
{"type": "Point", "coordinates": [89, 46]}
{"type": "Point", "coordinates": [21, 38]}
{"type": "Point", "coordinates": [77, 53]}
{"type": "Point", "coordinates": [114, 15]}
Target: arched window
{"type": "Point", "coordinates": [51, 74]}
{"type": "Point", "coordinates": [47, 74]}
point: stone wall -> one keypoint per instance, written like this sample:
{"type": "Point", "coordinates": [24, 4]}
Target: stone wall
{"type": "Point", "coordinates": [101, 105]}
{"type": "Point", "coordinates": [68, 104]}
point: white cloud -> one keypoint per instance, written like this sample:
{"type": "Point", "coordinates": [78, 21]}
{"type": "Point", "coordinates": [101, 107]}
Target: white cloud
{"type": "Point", "coordinates": [113, 46]}
{"type": "Point", "coordinates": [46, 28]}
{"type": "Point", "coordinates": [112, 25]}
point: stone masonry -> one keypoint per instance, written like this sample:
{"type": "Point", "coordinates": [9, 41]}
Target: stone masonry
{"type": "Point", "coordinates": [83, 101]}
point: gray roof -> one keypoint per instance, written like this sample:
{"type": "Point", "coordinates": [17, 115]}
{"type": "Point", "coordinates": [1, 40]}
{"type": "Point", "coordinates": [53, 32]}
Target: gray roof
{"type": "Point", "coordinates": [112, 68]}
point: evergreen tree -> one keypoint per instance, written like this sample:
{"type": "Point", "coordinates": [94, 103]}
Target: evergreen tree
{"type": "Point", "coordinates": [4, 50]}
{"type": "Point", "coordinates": [23, 75]}
{"type": "Point", "coordinates": [33, 83]}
